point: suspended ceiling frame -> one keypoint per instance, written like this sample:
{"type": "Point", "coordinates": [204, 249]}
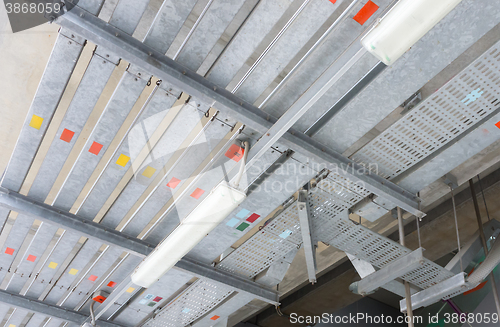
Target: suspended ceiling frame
{"type": "Point", "coordinates": [132, 50]}
{"type": "Point", "coordinates": [264, 129]}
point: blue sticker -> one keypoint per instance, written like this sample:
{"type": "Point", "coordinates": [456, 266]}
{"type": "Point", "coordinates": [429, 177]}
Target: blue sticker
{"type": "Point", "coordinates": [243, 213]}
{"type": "Point", "coordinates": [149, 296]}
{"type": "Point", "coordinates": [143, 301]}
{"type": "Point", "coordinates": [286, 233]}
{"type": "Point", "coordinates": [473, 96]}
{"type": "Point", "coordinates": [186, 310]}
{"type": "Point", "coordinates": [232, 222]}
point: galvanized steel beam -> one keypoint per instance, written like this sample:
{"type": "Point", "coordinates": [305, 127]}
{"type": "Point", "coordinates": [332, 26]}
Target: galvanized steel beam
{"type": "Point", "coordinates": [87, 228]}
{"type": "Point", "coordinates": [50, 310]}
{"type": "Point", "coordinates": [307, 238]}
{"type": "Point", "coordinates": [163, 67]}
{"type": "Point", "coordinates": [24, 205]}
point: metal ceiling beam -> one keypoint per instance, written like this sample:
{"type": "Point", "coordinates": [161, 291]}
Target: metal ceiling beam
{"type": "Point", "coordinates": [134, 51]}
{"type": "Point", "coordinates": [24, 205]}
{"type": "Point", "coordinates": [50, 310]}
{"type": "Point", "coordinates": [41, 211]}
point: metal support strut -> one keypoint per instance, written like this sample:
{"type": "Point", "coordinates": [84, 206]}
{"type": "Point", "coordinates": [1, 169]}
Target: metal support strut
{"type": "Point", "coordinates": [307, 238]}
{"type": "Point", "coordinates": [409, 310]}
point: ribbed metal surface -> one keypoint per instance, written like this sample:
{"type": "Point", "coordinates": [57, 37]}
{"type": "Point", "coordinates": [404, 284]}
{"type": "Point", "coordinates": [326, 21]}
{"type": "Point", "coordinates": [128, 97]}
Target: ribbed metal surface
{"type": "Point", "coordinates": [282, 234]}
{"type": "Point", "coordinates": [195, 302]}
{"type": "Point", "coordinates": [449, 112]}
{"type": "Point", "coordinates": [338, 231]}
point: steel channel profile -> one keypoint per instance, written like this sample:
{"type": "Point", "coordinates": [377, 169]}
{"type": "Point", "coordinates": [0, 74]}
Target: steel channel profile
{"type": "Point", "coordinates": [191, 31]}
{"type": "Point", "coordinates": [50, 310]}
{"type": "Point", "coordinates": [270, 46]}
{"type": "Point", "coordinates": [319, 42]}
{"type": "Point", "coordinates": [23, 204]}
{"type": "Point", "coordinates": [436, 292]}
{"type": "Point", "coordinates": [168, 70]}
{"type": "Point", "coordinates": [305, 229]}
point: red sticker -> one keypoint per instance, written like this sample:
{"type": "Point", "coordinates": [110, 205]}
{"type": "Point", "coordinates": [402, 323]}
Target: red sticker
{"type": "Point", "coordinates": [197, 193]}
{"type": "Point", "coordinates": [9, 251]}
{"type": "Point", "coordinates": [67, 135]}
{"type": "Point", "coordinates": [173, 183]}
{"type": "Point", "coordinates": [93, 278]}
{"type": "Point", "coordinates": [157, 299]}
{"type": "Point", "coordinates": [333, 1]}
{"type": "Point", "coordinates": [366, 12]}
{"type": "Point", "coordinates": [95, 148]}
{"type": "Point", "coordinates": [253, 217]}
{"type": "Point", "coordinates": [215, 318]}
{"type": "Point", "coordinates": [31, 258]}
{"type": "Point", "coordinates": [99, 299]}
{"type": "Point", "coordinates": [111, 284]}
{"type": "Point", "coordinates": [498, 124]}
{"type": "Point", "coordinates": [235, 152]}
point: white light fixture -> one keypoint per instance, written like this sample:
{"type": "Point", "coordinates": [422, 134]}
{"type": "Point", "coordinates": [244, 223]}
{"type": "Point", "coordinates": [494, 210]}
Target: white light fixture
{"type": "Point", "coordinates": [221, 201]}
{"type": "Point", "coordinates": [218, 204]}
{"type": "Point", "coordinates": [403, 26]}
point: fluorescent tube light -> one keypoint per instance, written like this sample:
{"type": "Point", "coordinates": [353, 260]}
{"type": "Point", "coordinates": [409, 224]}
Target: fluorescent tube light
{"type": "Point", "coordinates": [403, 26]}
{"type": "Point", "coordinates": [219, 203]}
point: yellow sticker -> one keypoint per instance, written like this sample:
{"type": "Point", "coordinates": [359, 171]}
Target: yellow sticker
{"type": "Point", "coordinates": [122, 160]}
{"type": "Point", "coordinates": [130, 290]}
{"type": "Point", "coordinates": [52, 265]}
{"type": "Point", "coordinates": [148, 172]}
{"type": "Point", "coordinates": [73, 271]}
{"type": "Point", "coordinates": [36, 121]}
{"type": "Point", "coordinates": [11, 325]}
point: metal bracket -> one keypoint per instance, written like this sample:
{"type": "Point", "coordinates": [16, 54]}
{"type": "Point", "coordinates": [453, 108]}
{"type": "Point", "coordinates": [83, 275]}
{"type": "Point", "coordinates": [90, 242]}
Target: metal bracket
{"type": "Point", "coordinates": [411, 102]}
{"type": "Point", "coordinates": [451, 181]}
{"type": "Point", "coordinates": [308, 239]}
{"type": "Point", "coordinates": [395, 269]}
{"type": "Point", "coordinates": [437, 292]}
{"type": "Point", "coordinates": [365, 268]}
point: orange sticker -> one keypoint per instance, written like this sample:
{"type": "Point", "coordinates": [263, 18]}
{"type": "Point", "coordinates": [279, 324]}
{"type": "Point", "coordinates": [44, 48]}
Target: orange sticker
{"type": "Point", "coordinates": [366, 12]}
{"type": "Point", "coordinates": [235, 152]}
{"type": "Point", "coordinates": [197, 193]}
{"type": "Point", "coordinates": [173, 182]}
{"type": "Point", "coordinates": [95, 148]}
{"type": "Point", "coordinates": [67, 135]}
